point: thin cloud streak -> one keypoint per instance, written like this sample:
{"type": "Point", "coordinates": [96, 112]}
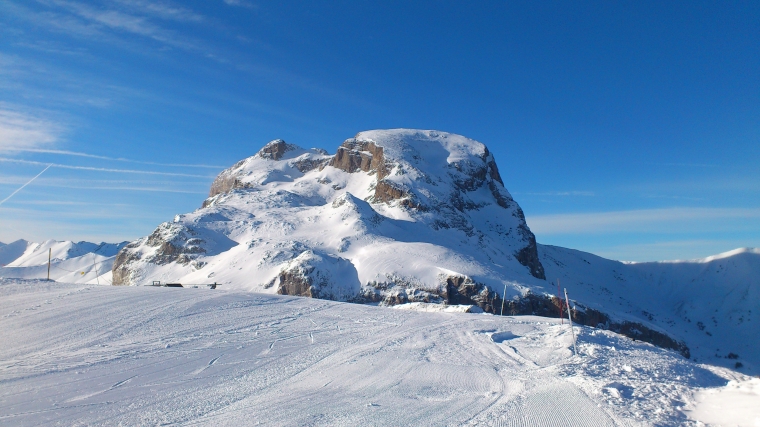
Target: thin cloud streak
{"type": "Point", "coordinates": [116, 159]}
{"type": "Point", "coordinates": [148, 189]}
{"type": "Point", "coordinates": [559, 193]}
{"type": "Point", "coordinates": [687, 165]}
{"type": "Point", "coordinates": [163, 11]}
{"type": "Point", "coordinates": [88, 168]}
{"type": "Point", "coordinates": [645, 220]}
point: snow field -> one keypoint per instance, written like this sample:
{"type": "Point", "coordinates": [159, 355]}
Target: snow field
{"type": "Point", "coordinates": [71, 262]}
{"type": "Point", "coordinates": [89, 355]}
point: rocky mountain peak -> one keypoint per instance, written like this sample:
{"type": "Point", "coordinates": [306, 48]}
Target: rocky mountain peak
{"type": "Point", "coordinates": [346, 225]}
{"type": "Point", "coordinates": [276, 149]}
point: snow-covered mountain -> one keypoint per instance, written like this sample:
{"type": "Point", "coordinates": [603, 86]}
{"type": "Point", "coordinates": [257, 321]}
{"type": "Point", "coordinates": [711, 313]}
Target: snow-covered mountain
{"type": "Point", "coordinates": [711, 304]}
{"type": "Point", "coordinates": [396, 216]}
{"type": "Point", "coordinates": [399, 216]}
{"type": "Point", "coordinates": [72, 262]}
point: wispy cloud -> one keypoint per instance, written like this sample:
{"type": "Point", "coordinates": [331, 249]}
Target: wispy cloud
{"type": "Point", "coordinates": [125, 22]}
{"type": "Point", "coordinates": [687, 165]}
{"type": "Point", "coordinates": [96, 169]}
{"type": "Point", "coordinates": [744, 181]}
{"type": "Point", "coordinates": [109, 24]}
{"type": "Point", "coordinates": [558, 193]}
{"type": "Point", "coordinates": [153, 186]}
{"type": "Point", "coordinates": [20, 130]}
{"type": "Point", "coordinates": [135, 189]}
{"type": "Point", "coordinates": [163, 10]}
{"type": "Point", "coordinates": [117, 159]}
{"type": "Point", "coordinates": [645, 220]}
{"type": "Point", "coordinates": [240, 3]}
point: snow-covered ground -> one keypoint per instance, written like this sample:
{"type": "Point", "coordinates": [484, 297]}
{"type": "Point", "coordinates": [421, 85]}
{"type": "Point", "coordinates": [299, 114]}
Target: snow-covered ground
{"type": "Point", "coordinates": [72, 262]}
{"type": "Point", "coordinates": [712, 304]}
{"type": "Point", "coordinates": [79, 354]}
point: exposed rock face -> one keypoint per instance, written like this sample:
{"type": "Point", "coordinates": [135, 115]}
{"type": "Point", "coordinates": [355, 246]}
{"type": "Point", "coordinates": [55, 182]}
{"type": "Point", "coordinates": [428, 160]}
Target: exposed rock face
{"type": "Point", "coordinates": [404, 184]}
{"type": "Point", "coordinates": [547, 306]}
{"type": "Point", "coordinates": [356, 155]}
{"type": "Point", "coordinates": [275, 150]}
{"type": "Point", "coordinates": [235, 177]}
{"type": "Point", "coordinates": [451, 205]}
{"type": "Point", "coordinates": [528, 256]}
{"type": "Point", "coordinates": [170, 242]}
{"type": "Point", "coordinates": [120, 270]}
{"type": "Point", "coordinates": [318, 276]}
{"type": "Point", "coordinates": [462, 290]}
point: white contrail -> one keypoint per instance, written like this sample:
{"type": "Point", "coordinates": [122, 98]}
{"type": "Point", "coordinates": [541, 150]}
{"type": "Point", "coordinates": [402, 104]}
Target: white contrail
{"type": "Point", "coordinates": [29, 182]}
{"type": "Point", "coordinates": [117, 159]}
{"type": "Point", "coordinates": [87, 168]}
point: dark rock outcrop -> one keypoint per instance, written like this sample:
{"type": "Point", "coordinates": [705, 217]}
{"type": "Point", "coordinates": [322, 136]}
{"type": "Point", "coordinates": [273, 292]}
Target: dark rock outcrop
{"type": "Point", "coordinates": [120, 269]}
{"type": "Point", "coordinates": [173, 243]}
{"type": "Point", "coordinates": [275, 150]}
{"type": "Point", "coordinates": [462, 290]}
{"type": "Point", "coordinates": [318, 275]}
{"type": "Point", "coordinates": [365, 156]}
{"type": "Point", "coordinates": [548, 306]}
{"type": "Point", "coordinates": [528, 256]}
{"type": "Point", "coordinates": [230, 179]}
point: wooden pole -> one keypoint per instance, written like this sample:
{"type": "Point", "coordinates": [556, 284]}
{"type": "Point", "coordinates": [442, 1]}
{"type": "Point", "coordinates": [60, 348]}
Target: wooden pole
{"type": "Point", "coordinates": [570, 319]}
{"type": "Point", "coordinates": [50, 253]}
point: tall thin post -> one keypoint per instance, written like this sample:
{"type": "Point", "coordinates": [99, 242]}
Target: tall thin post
{"type": "Point", "coordinates": [96, 269]}
{"type": "Point", "coordinates": [561, 314]}
{"type": "Point", "coordinates": [570, 319]}
{"type": "Point", "coordinates": [503, 297]}
{"type": "Point", "coordinates": [50, 253]}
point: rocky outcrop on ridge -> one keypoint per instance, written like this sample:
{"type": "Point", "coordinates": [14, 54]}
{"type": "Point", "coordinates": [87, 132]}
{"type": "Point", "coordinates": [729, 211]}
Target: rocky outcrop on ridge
{"type": "Point", "coordinates": [403, 188]}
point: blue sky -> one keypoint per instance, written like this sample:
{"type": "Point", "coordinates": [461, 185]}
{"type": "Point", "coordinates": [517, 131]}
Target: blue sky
{"type": "Point", "coordinates": [627, 129]}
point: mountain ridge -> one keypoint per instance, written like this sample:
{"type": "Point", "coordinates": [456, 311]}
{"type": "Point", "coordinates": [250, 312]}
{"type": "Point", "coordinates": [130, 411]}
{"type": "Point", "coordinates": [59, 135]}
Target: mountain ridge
{"type": "Point", "coordinates": [402, 216]}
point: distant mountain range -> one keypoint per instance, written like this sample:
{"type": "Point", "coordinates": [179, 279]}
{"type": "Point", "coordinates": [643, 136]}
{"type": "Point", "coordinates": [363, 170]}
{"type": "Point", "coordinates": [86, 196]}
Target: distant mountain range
{"type": "Point", "coordinates": [73, 262]}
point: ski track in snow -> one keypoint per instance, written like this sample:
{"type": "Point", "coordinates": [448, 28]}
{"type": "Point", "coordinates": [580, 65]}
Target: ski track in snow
{"type": "Point", "coordinates": [96, 355]}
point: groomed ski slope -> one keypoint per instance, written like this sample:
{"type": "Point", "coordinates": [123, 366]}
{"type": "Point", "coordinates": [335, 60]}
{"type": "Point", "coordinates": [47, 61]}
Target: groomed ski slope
{"type": "Point", "coordinates": [76, 354]}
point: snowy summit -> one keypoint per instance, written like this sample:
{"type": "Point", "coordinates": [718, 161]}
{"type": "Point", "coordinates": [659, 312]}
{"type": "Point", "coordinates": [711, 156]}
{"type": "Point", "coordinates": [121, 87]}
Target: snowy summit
{"type": "Point", "coordinates": [395, 215]}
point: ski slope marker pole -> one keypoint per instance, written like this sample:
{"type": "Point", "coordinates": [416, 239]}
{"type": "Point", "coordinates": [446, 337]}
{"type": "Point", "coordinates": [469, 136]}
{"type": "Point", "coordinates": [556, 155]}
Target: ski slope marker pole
{"type": "Point", "coordinates": [559, 297]}
{"type": "Point", "coordinates": [96, 270]}
{"type": "Point", "coordinates": [570, 319]}
{"type": "Point", "coordinates": [503, 297]}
